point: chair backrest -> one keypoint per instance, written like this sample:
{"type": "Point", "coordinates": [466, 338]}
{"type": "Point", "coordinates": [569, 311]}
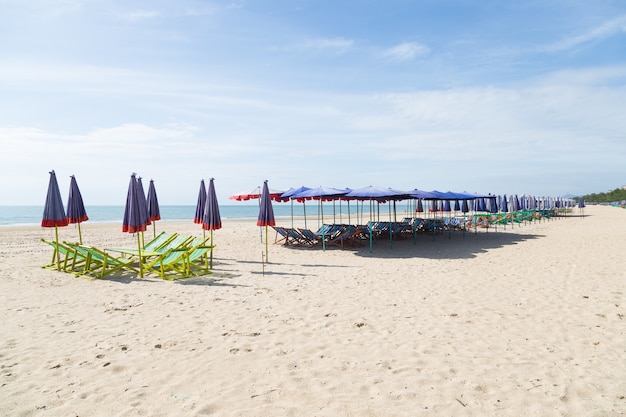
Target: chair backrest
{"type": "Point", "coordinates": [161, 240]}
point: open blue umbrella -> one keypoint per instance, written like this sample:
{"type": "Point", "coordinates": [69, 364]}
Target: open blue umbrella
{"type": "Point", "coordinates": [76, 213]}
{"type": "Point", "coordinates": [211, 219]}
{"type": "Point", "coordinates": [53, 212]}
{"type": "Point", "coordinates": [289, 196]}
{"type": "Point", "coordinates": [266, 214]}
{"type": "Point", "coordinates": [152, 205]}
{"type": "Point", "coordinates": [200, 204]}
{"type": "Point", "coordinates": [135, 219]}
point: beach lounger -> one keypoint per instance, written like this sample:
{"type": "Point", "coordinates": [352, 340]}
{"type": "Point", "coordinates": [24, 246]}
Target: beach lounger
{"type": "Point", "coordinates": [65, 258]}
{"type": "Point", "coordinates": [282, 235]}
{"type": "Point", "coordinates": [99, 263]}
{"type": "Point", "coordinates": [311, 237]}
{"type": "Point", "coordinates": [170, 265]}
{"type": "Point", "coordinates": [160, 241]}
{"type": "Point", "coordinates": [350, 234]}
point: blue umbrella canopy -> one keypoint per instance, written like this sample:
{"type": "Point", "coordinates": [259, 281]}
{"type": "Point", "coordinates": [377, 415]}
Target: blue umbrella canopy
{"type": "Point", "coordinates": [53, 211]}
{"type": "Point", "coordinates": [266, 211]}
{"type": "Point", "coordinates": [377, 193]}
{"type": "Point", "coordinates": [142, 197]}
{"type": "Point", "coordinates": [504, 207]}
{"type": "Point", "coordinates": [135, 211]}
{"type": "Point", "coordinates": [152, 207]}
{"type": "Point", "coordinates": [321, 193]}
{"type": "Point", "coordinates": [75, 208]}
{"type": "Point", "coordinates": [152, 203]}
{"type": "Point", "coordinates": [76, 212]}
{"type": "Point", "coordinates": [200, 205]}
{"type": "Point", "coordinates": [266, 214]}
{"type": "Point", "coordinates": [211, 219]}
{"type": "Point", "coordinates": [291, 194]}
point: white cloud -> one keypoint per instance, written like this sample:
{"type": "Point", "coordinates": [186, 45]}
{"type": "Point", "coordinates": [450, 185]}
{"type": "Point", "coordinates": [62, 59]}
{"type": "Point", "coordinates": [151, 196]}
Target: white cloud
{"type": "Point", "coordinates": [138, 15]}
{"type": "Point", "coordinates": [333, 45]}
{"type": "Point", "coordinates": [406, 51]}
{"type": "Point", "coordinates": [606, 30]}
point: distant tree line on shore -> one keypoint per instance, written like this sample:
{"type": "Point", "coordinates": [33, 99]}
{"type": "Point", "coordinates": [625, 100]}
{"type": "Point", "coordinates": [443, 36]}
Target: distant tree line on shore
{"type": "Point", "coordinates": [618, 194]}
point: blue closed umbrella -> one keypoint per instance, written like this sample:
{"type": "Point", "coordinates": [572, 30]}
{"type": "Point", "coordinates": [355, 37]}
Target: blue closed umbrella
{"type": "Point", "coordinates": [200, 204]}
{"type": "Point", "coordinates": [135, 219]}
{"type": "Point", "coordinates": [152, 206]}
{"type": "Point", "coordinates": [266, 214]}
{"type": "Point", "coordinates": [53, 212]}
{"type": "Point", "coordinates": [211, 219]}
{"type": "Point", "coordinates": [76, 213]}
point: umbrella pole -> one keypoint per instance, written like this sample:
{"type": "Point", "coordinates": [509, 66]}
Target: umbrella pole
{"type": "Point", "coordinates": [80, 235]}
{"type": "Point", "coordinates": [139, 251]}
{"type": "Point", "coordinates": [211, 261]}
{"type": "Point", "coordinates": [153, 229]}
{"type": "Point", "coordinates": [266, 245]}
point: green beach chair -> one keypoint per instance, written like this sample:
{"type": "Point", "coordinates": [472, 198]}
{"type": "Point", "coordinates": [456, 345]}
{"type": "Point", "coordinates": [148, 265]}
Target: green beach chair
{"type": "Point", "coordinates": [100, 263]}
{"type": "Point", "coordinates": [65, 257]}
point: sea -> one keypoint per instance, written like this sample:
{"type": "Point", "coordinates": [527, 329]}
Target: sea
{"type": "Point", "coordinates": [32, 215]}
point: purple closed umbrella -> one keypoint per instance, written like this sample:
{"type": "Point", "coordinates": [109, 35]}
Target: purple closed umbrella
{"type": "Point", "coordinates": [197, 219]}
{"type": "Point", "coordinates": [135, 219]}
{"type": "Point", "coordinates": [266, 214]}
{"type": "Point", "coordinates": [142, 196]}
{"type": "Point", "coordinates": [152, 206]}
{"type": "Point", "coordinates": [76, 213]}
{"type": "Point", "coordinates": [211, 219]}
{"type": "Point", "coordinates": [53, 212]}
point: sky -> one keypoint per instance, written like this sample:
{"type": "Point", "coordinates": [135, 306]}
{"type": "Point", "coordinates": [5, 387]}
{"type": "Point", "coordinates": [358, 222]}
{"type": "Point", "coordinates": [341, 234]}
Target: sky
{"type": "Point", "coordinates": [486, 96]}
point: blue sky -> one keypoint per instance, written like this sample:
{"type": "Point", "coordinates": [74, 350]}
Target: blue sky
{"type": "Point", "coordinates": [525, 97]}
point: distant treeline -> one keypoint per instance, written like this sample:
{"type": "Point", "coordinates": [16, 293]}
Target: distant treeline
{"type": "Point", "coordinates": [617, 194]}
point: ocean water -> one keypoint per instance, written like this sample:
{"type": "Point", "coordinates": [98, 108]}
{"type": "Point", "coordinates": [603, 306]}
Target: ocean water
{"type": "Point", "coordinates": [32, 215]}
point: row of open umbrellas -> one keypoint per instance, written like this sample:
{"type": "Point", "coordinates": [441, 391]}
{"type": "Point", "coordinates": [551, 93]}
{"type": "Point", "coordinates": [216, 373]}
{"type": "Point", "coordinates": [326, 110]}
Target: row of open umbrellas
{"type": "Point", "coordinates": [440, 201]}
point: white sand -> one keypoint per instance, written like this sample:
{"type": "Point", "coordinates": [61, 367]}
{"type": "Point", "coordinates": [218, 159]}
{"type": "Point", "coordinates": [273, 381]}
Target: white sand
{"type": "Point", "coordinates": [524, 322]}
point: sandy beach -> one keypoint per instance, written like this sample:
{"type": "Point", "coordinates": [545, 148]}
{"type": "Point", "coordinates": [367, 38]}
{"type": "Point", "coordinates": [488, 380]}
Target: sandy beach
{"type": "Point", "coordinates": [527, 321]}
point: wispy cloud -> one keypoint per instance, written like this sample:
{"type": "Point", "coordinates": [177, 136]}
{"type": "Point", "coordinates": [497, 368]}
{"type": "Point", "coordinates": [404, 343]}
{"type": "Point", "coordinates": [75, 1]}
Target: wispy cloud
{"type": "Point", "coordinates": [606, 30]}
{"type": "Point", "coordinates": [333, 45]}
{"type": "Point", "coordinates": [406, 51]}
{"type": "Point", "coordinates": [138, 15]}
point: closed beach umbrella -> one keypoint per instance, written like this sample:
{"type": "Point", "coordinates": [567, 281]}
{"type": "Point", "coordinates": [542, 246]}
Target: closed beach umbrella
{"type": "Point", "coordinates": [135, 220]}
{"type": "Point", "coordinates": [266, 214]}
{"type": "Point", "coordinates": [211, 219]}
{"type": "Point", "coordinates": [142, 197]}
{"type": "Point", "coordinates": [76, 213]}
{"type": "Point", "coordinates": [197, 219]}
{"type": "Point", "coordinates": [504, 207]}
{"type": "Point", "coordinates": [152, 205]}
{"type": "Point", "coordinates": [53, 211]}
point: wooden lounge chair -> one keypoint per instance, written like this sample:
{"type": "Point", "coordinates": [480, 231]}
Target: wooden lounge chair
{"type": "Point", "coordinates": [283, 233]}
{"type": "Point", "coordinates": [350, 234]}
{"type": "Point", "coordinates": [311, 237]}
